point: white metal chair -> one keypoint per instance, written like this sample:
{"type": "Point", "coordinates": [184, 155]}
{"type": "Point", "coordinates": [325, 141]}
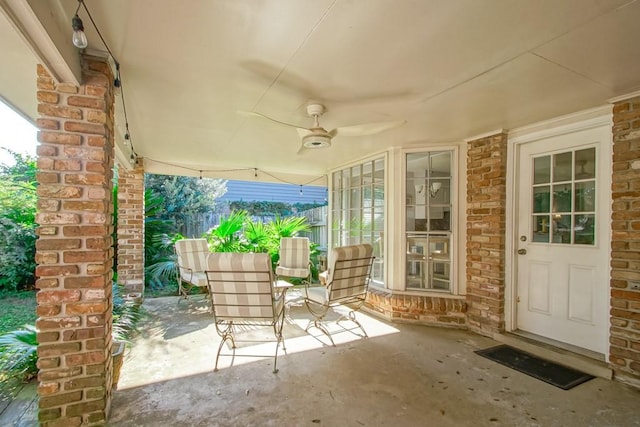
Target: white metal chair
{"type": "Point", "coordinates": [294, 259]}
{"type": "Point", "coordinates": [243, 294]}
{"type": "Point", "coordinates": [347, 281]}
{"type": "Point", "coordinates": [192, 262]}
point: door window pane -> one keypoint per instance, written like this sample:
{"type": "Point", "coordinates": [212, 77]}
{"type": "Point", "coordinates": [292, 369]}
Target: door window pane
{"type": "Point", "coordinates": [541, 197]}
{"type": "Point", "coordinates": [585, 196]}
{"type": "Point", "coordinates": [561, 229]}
{"type": "Point", "coordinates": [584, 230]}
{"type": "Point", "coordinates": [574, 192]}
{"type": "Point", "coordinates": [562, 167]}
{"type": "Point", "coordinates": [542, 170]}
{"type": "Point", "coordinates": [541, 229]}
{"type": "Point", "coordinates": [585, 164]}
{"type": "Point", "coordinates": [562, 198]}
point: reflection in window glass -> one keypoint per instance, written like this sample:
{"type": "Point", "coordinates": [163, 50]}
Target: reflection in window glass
{"type": "Point", "coordinates": [541, 197]}
{"type": "Point", "coordinates": [542, 170]}
{"type": "Point", "coordinates": [584, 230]}
{"type": "Point", "coordinates": [585, 164]}
{"type": "Point", "coordinates": [541, 229]}
{"type": "Point", "coordinates": [562, 198]}
{"type": "Point", "coordinates": [562, 167]}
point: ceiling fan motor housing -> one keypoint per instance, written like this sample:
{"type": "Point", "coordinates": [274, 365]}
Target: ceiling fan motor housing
{"type": "Point", "coordinates": [316, 141]}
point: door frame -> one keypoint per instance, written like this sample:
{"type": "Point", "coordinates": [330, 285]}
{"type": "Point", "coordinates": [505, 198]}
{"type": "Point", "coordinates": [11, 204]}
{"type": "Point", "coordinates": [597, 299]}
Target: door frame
{"type": "Point", "coordinates": [580, 121]}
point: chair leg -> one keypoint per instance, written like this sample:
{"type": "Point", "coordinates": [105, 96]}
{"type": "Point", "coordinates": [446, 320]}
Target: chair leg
{"type": "Point", "coordinates": [352, 317]}
{"type": "Point", "coordinates": [319, 316]}
{"type": "Point", "coordinates": [225, 334]}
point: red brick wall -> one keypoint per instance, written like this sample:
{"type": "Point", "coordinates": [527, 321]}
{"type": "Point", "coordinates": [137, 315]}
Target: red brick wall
{"type": "Point", "coordinates": [131, 228]}
{"type": "Point", "coordinates": [440, 311]}
{"type": "Point", "coordinates": [74, 250]}
{"type": "Point", "coordinates": [486, 198]}
{"type": "Point", "coordinates": [625, 242]}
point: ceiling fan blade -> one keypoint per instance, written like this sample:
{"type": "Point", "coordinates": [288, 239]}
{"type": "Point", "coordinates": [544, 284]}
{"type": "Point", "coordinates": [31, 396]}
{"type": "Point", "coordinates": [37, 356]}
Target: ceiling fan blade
{"type": "Point", "coordinates": [367, 128]}
{"type": "Point", "coordinates": [262, 116]}
{"type": "Point", "coordinates": [302, 132]}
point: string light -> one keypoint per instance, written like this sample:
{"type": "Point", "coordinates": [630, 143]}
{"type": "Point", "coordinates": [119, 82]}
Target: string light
{"type": "Point", "coordinates": [79, 38]}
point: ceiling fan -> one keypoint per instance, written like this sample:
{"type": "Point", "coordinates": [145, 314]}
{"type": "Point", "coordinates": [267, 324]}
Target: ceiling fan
{"type": "Point", "coordinates": [318, 137]}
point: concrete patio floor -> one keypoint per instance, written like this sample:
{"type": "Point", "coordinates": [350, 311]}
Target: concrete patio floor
{"type": "Point", "coordinates": [402, 375]}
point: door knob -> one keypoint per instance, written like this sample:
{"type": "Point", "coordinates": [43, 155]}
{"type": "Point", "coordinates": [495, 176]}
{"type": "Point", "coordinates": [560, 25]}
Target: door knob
{"type": "Point", "coordinates": [522, 251]}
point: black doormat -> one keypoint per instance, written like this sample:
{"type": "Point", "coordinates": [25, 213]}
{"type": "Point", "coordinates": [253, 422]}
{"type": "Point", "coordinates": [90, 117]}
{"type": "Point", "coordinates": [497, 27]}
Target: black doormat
{"type": "Point", "coordinates": [549, 372]}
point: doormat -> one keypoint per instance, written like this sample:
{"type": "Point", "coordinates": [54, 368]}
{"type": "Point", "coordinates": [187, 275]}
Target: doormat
{"type": "Point", "coordinates": [549, 372]}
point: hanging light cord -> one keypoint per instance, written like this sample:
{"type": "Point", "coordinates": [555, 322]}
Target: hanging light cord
{"type": "Point", "coordinates": [118, 78]}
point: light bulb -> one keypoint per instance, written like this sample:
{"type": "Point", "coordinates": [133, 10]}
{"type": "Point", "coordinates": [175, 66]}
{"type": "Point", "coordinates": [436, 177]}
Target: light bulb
{"type": "Point", "coordinates": [79, 38]}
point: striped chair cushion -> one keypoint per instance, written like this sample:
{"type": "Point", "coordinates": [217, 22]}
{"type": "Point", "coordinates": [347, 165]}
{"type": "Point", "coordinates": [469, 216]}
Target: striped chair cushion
{"type": "Point", "coordinates": [294, 257]}
{"type": "Point", "coordinates": [192, 254]}
{"type": "Point", "coordinates": [241, 285]}
{"type": "Point", "coordinates": [349, 269]}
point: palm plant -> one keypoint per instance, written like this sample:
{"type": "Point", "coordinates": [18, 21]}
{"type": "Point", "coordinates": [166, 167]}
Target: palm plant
{"type": "Point", "coordinates": [226, 236]}
{"type": "Point", "coordinates": [18, 358]}
{"type": "Point", "coordinates": [126, 315]}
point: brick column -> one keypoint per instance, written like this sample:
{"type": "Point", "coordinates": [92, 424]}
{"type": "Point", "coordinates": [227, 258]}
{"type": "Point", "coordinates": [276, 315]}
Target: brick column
{"type": "Point", "coordinates": [486, 197]}
{"type": "Point", "coordinates": [625, 242]}
{"type": "Point", "coordinates": [74, 250]}
{"type": "Point", "coordinates": [131, 228]}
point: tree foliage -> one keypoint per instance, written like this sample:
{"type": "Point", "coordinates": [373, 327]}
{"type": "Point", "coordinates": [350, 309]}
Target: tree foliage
{"type": "Point", "coordinates": [18, 200]}
{"type": "Point", "coordinates": [265, 208]}
{"type": "Point", "coordinates": [183, 195]}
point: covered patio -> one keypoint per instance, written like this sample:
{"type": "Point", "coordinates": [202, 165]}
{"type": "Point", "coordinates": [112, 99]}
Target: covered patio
{"type": "Point", "coordinates": [489, 151]}
{"type": "Point", "coordinates": [401, 375]}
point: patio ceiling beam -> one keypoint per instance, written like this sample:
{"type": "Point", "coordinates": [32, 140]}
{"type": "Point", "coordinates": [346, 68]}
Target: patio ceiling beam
{"type": "Point", "coordinates": [41, 27]}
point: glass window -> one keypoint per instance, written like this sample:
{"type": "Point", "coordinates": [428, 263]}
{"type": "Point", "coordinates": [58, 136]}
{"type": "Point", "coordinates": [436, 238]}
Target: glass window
{"type": "Point", "coordinates": [428, 220]}
{"type": "Point", "coordinates": [564, 198]}
{"type": "Point", "coordinates": [358, 210]}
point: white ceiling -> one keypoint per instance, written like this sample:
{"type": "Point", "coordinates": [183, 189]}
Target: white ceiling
{"type": "Point", "coordinates": [451, 68]}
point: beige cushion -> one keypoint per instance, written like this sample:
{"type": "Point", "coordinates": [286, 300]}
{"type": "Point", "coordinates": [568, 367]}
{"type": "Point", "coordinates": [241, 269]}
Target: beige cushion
{"type": "Point", "coordinates": [294, 257]}
{"type": "Point", "coordinates": [192, 260]}
{"type": "Point", "coordinates": [349, 268]}
{"type": "Point", "coordinates": [241, 286]}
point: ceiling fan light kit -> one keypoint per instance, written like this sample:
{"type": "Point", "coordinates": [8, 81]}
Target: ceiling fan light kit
{"type": "Point", "coordinates": [316, 141]}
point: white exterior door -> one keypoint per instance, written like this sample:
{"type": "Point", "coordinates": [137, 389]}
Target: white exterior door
{"type": "Point", "coordinates": [562, 239]}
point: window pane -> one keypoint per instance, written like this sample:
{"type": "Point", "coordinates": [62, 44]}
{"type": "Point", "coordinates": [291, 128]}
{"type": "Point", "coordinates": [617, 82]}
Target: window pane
{"type": "Point", "coordinates": [585, 196]}
{"type": "Point", "coordinates": [541, 197]}
{"type": "Point", "coordinates": [428, 213]}
{"type": "Point", "coordinates": [561, 229]}
{"type": "Point", "coordinates": [585, 164]}
{"type": "Point", "coordinates": [356, 176]}
{"type": "Point", "coordinates": [417, 165]}
{"type": "Point", "coordinates": [440, 164]}
{"type": "Point", "coordinates": [584, 230]}
{"type": "Point", "coordinates": [337, 180]}
{"type": "Point", "coordinates": [378, 171]}
{"type": "Point", "coordinates": [541, 170]}
{"type": "Point", "coordinates": [439, 219]}
{"type": "Point", "coordinates": [562, 166]}
{"type": "Point", "coordinates": [367, 173]}
{"type": "Point", "coordinates": [562, 198]}
{"type": "Point", "coordinates": [378, 196]}
{"type": "Point", "coordinates": [540, 229]}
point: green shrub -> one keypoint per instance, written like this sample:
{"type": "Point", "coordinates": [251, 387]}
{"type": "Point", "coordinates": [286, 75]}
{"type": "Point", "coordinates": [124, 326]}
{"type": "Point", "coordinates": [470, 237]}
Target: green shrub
{"type": "Point", "coordinates": [18, 359]}
{"type": "Point", "coordinates": [17, 256]}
